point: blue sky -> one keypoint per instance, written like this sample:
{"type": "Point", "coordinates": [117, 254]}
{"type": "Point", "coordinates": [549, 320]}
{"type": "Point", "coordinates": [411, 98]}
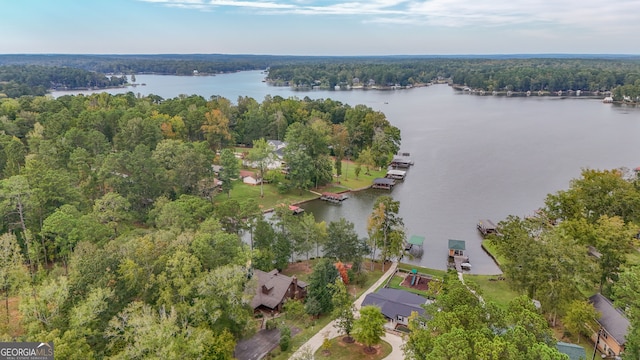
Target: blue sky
{"type": "Point", "coordinates": [319, 27]}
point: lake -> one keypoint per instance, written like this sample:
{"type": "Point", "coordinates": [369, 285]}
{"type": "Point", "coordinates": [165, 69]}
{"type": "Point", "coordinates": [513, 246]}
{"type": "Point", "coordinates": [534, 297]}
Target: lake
{"type": "Point", "coordinates": [475, 157]}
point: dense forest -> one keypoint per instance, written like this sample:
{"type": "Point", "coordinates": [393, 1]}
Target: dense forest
{"type": "Point", "coordinates": [113, 243]}
{"type": "Point", "coordinates": [518, 75]}
{"type": "Point", "coordinates": [594, 74]}
{"type": "Point", "coordinates": [19, 80]}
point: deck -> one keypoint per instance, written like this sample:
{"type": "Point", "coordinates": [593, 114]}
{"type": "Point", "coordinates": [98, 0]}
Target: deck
{"type": "Point", "coordinates": [396, 174]}
{"type": "Point", "coordinates": [383, 183]}
{"type": "Point", "coordinates": [333, 197]}
{"type": "Point", "coordinates": [486, 227]}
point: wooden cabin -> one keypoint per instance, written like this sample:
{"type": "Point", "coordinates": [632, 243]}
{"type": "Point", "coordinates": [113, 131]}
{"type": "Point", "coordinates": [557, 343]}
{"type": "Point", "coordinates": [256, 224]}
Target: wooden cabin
{"type": "Point", "coordinates": [486, 227]}
{"type": "Point", "coordinates": [396, 174]}
{"type": "Point", "coordinates": [383, 183]}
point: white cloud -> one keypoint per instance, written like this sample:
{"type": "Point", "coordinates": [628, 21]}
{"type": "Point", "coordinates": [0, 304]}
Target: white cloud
{"type": "Point", "coordinates": [448, 13]}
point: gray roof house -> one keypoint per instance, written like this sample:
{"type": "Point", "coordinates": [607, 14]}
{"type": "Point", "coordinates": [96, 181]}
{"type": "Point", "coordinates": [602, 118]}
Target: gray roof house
{"type": "Point", "coordinates": [396, 305]}
{"type": "Point", "coordinates": [278, 147]}
{"type": "Point", "coordinates": [614, 325]}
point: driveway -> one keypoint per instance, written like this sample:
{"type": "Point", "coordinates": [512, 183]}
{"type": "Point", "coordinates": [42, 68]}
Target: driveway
{"type": "Point", "coordinates": [330, 330]}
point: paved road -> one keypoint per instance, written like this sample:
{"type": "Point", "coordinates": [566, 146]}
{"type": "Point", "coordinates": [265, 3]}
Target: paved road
{"type": "Point", "coordinates": [330, 330]}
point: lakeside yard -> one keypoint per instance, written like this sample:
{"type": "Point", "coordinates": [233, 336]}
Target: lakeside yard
{"type": "Point", "coordinates": [273, 197]}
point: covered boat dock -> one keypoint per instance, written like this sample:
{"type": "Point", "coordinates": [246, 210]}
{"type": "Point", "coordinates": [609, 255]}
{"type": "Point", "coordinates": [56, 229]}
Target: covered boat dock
{"type": "Point", "coordinates": [383, 183]}
{"type": "Point", "coordinates": [486, 227]}
{"type": "Point", "coordinates": [333, 197]}
{"type": "Point", "coordinates": [396, 174]}
{"type": "Point", "coordinates": [457, 257]}
{"type": "Point", "coordinates": [414, 245]}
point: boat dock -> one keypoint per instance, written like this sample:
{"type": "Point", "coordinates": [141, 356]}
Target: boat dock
{"type": "Point", "coordinates": [333, 197]}
{"type": "Point", "coordinates": [401, 163]}
{"type": "Point", "coordinates": [396, 174]}
{"type": "Point", "coordinates": [486, 227]}
{"type": "Point", "coordinates": [414, 245]}
{"type": "Point", "coordinates": [457, 257]}
{"type": "Point", "coordinates": [383, 183]}
{"type": "Point", "coordinates": [296, 209]}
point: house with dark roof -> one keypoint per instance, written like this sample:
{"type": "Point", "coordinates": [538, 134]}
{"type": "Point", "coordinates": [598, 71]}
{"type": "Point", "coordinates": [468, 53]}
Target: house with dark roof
{"type": "Point", "coordinates": [273, 289]}
{"type": "Point", "coordinates": [396, 305]}
{"type": "Point", "coordinates": [614, 326]}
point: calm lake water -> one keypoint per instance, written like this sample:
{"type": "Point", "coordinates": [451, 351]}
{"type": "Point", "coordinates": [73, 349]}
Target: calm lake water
{"type": "Point", "coordinates": [475, 157]}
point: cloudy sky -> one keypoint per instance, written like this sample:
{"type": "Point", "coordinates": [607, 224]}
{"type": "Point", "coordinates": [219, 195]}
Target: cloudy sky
{"type": "Point", "coordinates": [320, 27]}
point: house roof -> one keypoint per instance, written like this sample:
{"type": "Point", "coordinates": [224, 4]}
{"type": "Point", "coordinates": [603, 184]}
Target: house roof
{"type": "Point", "coordinates": [396, 172]}
{"type": "Point", "coordinates": [611, 318]}
{"type": "Point", "coordinates": [384, 181]}
{"type": "Point", "coordinates": [416, 240]}
{"type": "Point", "coordinates": [394, 302]}
{"type": "Point", "coordinates": [245, 173]}
{"type": "Point", "coordinates": [276, 283]}
{"type": "Point", "coordinates": [575, 352]}
{"type": "Point", "coordinates": [457, 244]}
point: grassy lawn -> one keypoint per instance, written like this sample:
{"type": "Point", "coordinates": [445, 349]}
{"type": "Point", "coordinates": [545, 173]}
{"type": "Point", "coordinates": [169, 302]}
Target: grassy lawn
{"type": "Point", "coordinates": [493, 289]}
{"type": "Point", "coordinates": [299, 339]}
{"type": "Point", "coordinates": [272, 197]}
{"type": "Point", "coordinates": [438, 274]}
{"type": "Point", "coordinates": [354, 351]}
{"type": "Point", "coordinates": [492, 250]}
{"type": "Point", "coordinates": [397, 280]}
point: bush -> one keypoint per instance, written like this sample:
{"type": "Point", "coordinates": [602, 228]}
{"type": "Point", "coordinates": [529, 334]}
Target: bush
{"type": "Point", "coordinates": [285, 338]}
{"type": "Point", "coordinates": [271, 324]}
{"type": "Point", "coordinates": [283, 188]}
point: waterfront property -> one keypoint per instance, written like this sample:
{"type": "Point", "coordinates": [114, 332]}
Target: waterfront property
{"type": "Point", "coordinates": [457, 257]}
{"type": "Point", "coordinates": [383, 183]}
{"type": "Point", "coordinates": [333, 197]}
{"type": "Point", "coordinates": [614, 325]}
{"type": "Point", "coordinates": [401, 163]}
{"type": "Point", "coordinates": [396, 174]}
{"type": "Point", "coordinates": [274, 288]}
{"type": "Point", "coordinates": [486, 227]}
{"type": "Point", "coordinates": [396, 305]}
